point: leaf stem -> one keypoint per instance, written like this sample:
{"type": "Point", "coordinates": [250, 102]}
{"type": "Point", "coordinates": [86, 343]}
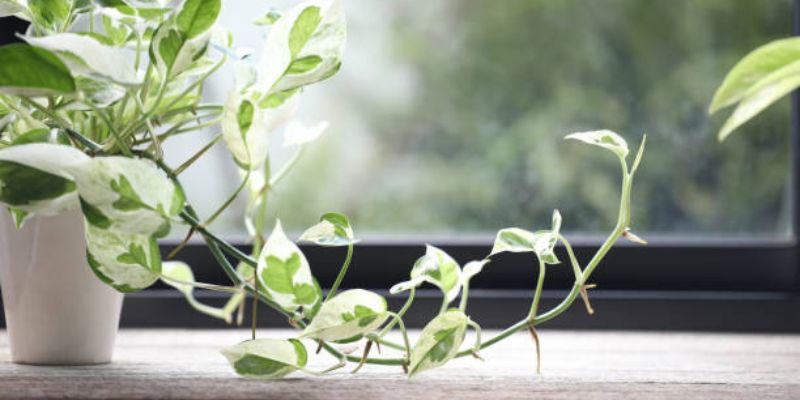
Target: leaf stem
{"type": "Point", "coordinates": [342, 272]}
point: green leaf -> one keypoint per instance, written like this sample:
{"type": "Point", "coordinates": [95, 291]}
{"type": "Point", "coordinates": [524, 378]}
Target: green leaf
{"type": "Point", "coordinates": [435, 267]}
{"type": "Point", "coordinates": [761, 95]}
{"type": "Point", "coordinates": [126, 262]}
{"type": "Point", "coordinates": [38, 177]}
{"type": "Point", "coordinates": [84, 54]}
{"type": "Point", "coordinates": [249, 143]}
{"type": "Point", "coordinates": [754, 67]}
{"type": "Point", "coordinates": [175, 273]}
{"type": "Point", "coordinates": [183, 38]}
{"type": "Point", "coordinates": [50, 14]}
{"type": "Point", "coordinates": [41, 135]}
{"type": "Point", "coordinates": [605, 139]}
{"type": "Point", "coordinates": [267, 358]}
{"type": "Point", "coordinates": [196, 17]}
{"type": "Point", "coordinates": [285, 276]}
{"type": "Point", "coordinates": [30, 71]}
{"type": "Point", "coordinates": [19, 216]}
{"type": "Point", "coordinates": [542, 243]}
{"type": "Point", "coordinates": [332, 230]}
{"type": "Point", "coordinates": [304, 46]}
{"type": "Point", "coordinates": [132, 194]}
{"type": "Point", "coordinates": [438, 342]}
{"type": "Point", "coordinates": [350, 313]}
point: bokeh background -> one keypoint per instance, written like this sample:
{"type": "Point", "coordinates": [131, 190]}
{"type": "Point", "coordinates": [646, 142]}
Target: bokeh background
{"type": "Point", "coordinates": [447, 118]}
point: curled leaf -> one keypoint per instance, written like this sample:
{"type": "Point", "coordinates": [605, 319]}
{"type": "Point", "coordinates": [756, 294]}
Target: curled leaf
{"type": "Point", "coordinates": [179, 275]}
{"type": "Point", "coordinates": [437, 268]}
{"type": "Point", "coordinates": [542, 243]}
{"type": "Point", "coordinates": [333, 229]}
{"type": "Point", "coordinates": [605, 139]}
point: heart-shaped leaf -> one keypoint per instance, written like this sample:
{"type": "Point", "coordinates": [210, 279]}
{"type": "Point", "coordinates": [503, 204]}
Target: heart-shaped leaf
{"type": "Point", "coordinates": [305, 45]}
{"type": "Point", "coordinates": [44, 72]}
{"type": "Point", "coordinates": [266, 358]}
{"type": "Point", "coordinates": [605, 139]}
{"type": "Point", "coordinates": [472, 268]}
{"type": "Point", "coordinates": [298, 134]}
{"type": "Point", "coordinates": [348, 314]}
{"type": "Point", "coordinates": [517, 240]}
{"type": "Point", "coordinates": [127, 195]}
{"type": "Point", "coordinates": [435, 267]}
{"type": "Point", "coordinates": [438, 342]}
{"type": "Point", "coordinates": [285, 276]}
{"type": "Point", "coordinates": [38, 178]}
{"type": "Point", "coordinates": [126, 262]}
{"type": "Point", "coordinates": [86, 55]}
{"type": "Point", "coordinates": [332, 230]}
{"type": "Point", "coordinates": [183, 38]}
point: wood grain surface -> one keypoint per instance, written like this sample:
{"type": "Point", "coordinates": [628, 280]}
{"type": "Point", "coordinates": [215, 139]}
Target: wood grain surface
{"type": "Point", "coordinates": [151, 364]}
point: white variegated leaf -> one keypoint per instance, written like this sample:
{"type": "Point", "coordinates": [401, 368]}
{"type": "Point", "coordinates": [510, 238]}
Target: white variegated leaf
{"type": "Point", "coordinates": [126, 262]}
{"type": "Point", "coordinates": [332, 230]}
{"type": "Point", "coordinates": [298, 134]}
{"type": "Point", "coordinates": [184, 37]}
{"type": "Point", "coordinates": [542, 243]}
{"type": "Point", "coordinates": [127, 195]}
{"type": "Point", "coordinates": [12, 8]}
{"type": "Point", "coordinates": [85, 55]}
{"type": "Point", "coordinates": [438, 342]}
{"type": "Point", "coordinates": [348, 314]}
{"type": "Point", "coordinates": [605, 139]}
{"type": "Point", "coordinates": [179, 275]}
{"type": "Point", "coordinates": [305, 45]}
{"type": "Point", "coordinates": [285, 276]}
{"type": "Point", "coordinates": [435, 267]}
{"type": "Point", "coordinates": [473, 268]}
{"type": "Point", "coordinates": [38, 177]}
{"type": "Point", "coordinates": [266, 358]}
{"type": "Point", "coordinates": [246, 128]}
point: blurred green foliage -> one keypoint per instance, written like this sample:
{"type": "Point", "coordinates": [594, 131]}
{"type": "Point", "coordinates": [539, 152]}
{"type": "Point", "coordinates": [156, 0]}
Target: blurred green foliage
{"type": "Point", "coordinates": [449, 117]}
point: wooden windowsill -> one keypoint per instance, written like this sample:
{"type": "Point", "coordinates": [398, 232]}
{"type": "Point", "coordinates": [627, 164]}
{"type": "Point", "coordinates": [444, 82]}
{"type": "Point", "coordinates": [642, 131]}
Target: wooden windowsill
{"type": "Point", "coordinates": [575, 365]}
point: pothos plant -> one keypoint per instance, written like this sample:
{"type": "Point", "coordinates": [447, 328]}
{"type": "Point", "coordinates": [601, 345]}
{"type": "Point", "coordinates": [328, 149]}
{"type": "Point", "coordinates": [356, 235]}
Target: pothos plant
{"type": "Point", "coordinates": [87, 102]}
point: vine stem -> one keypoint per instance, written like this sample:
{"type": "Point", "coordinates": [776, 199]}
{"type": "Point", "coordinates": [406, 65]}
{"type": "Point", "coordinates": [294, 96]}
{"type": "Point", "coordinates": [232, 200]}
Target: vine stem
{"type": "Point", "coordinates": [342, 272]}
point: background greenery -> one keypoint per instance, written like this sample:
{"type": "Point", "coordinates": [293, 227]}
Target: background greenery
{"type": "Point", "coordinates": [448, 116]}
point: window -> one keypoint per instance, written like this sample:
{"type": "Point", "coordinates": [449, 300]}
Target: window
{"type": "Point", "coordinates": [451, 116]}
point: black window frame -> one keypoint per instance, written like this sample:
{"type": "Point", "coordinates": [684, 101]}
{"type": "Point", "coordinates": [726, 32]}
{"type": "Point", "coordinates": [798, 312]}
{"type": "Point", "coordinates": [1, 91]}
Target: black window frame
{"type": "Point", "coordinates": [701, 284]}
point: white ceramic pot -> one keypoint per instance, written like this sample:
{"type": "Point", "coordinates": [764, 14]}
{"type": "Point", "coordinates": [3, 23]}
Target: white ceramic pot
{"type": "Point", "coordinates": [57, 312]}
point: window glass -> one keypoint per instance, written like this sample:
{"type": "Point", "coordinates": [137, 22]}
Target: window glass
{"type": "Point", "coordinates": [448, 116]}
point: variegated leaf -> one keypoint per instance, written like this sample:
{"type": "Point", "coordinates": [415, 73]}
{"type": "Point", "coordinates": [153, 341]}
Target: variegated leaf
{"type": "Point", "coordinates": [435, 267]}
{"type": "Point", "coordinates": [246, 128]}
{"type": "Point", "coordinates": [472, 268]}
{"type": "Point", "coordinates": [266, 358]}
{"type": "Point", "coordinates": [126, 262]}
{"type": "Point", "coordinates": [127, 195]}
{"type": "Point", "coordinates": [298, 134]}
{"type": "Point", "coordinates": [605, 139]}
{"type": "Point", "coordinates": [86, 55]}
{"type": "Point", "coordinates": [332, 230]}
{"type": "Point", "coordinates": [348, 314]}
{"type": "Point", "coordinates": [438, 342]}
{"type": "Point", "coordinates": [517, 240]}
{"type": "Point", "coordinates": [285, 276]}
{"type": "Point", "coordinates": [38, 177]}
{"type": "Point", "coordinates": [184, 37]}
{"type": "Point", "coordinates": [179, 275]}
{"type": "Point", "coordinates": [305, 45]}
